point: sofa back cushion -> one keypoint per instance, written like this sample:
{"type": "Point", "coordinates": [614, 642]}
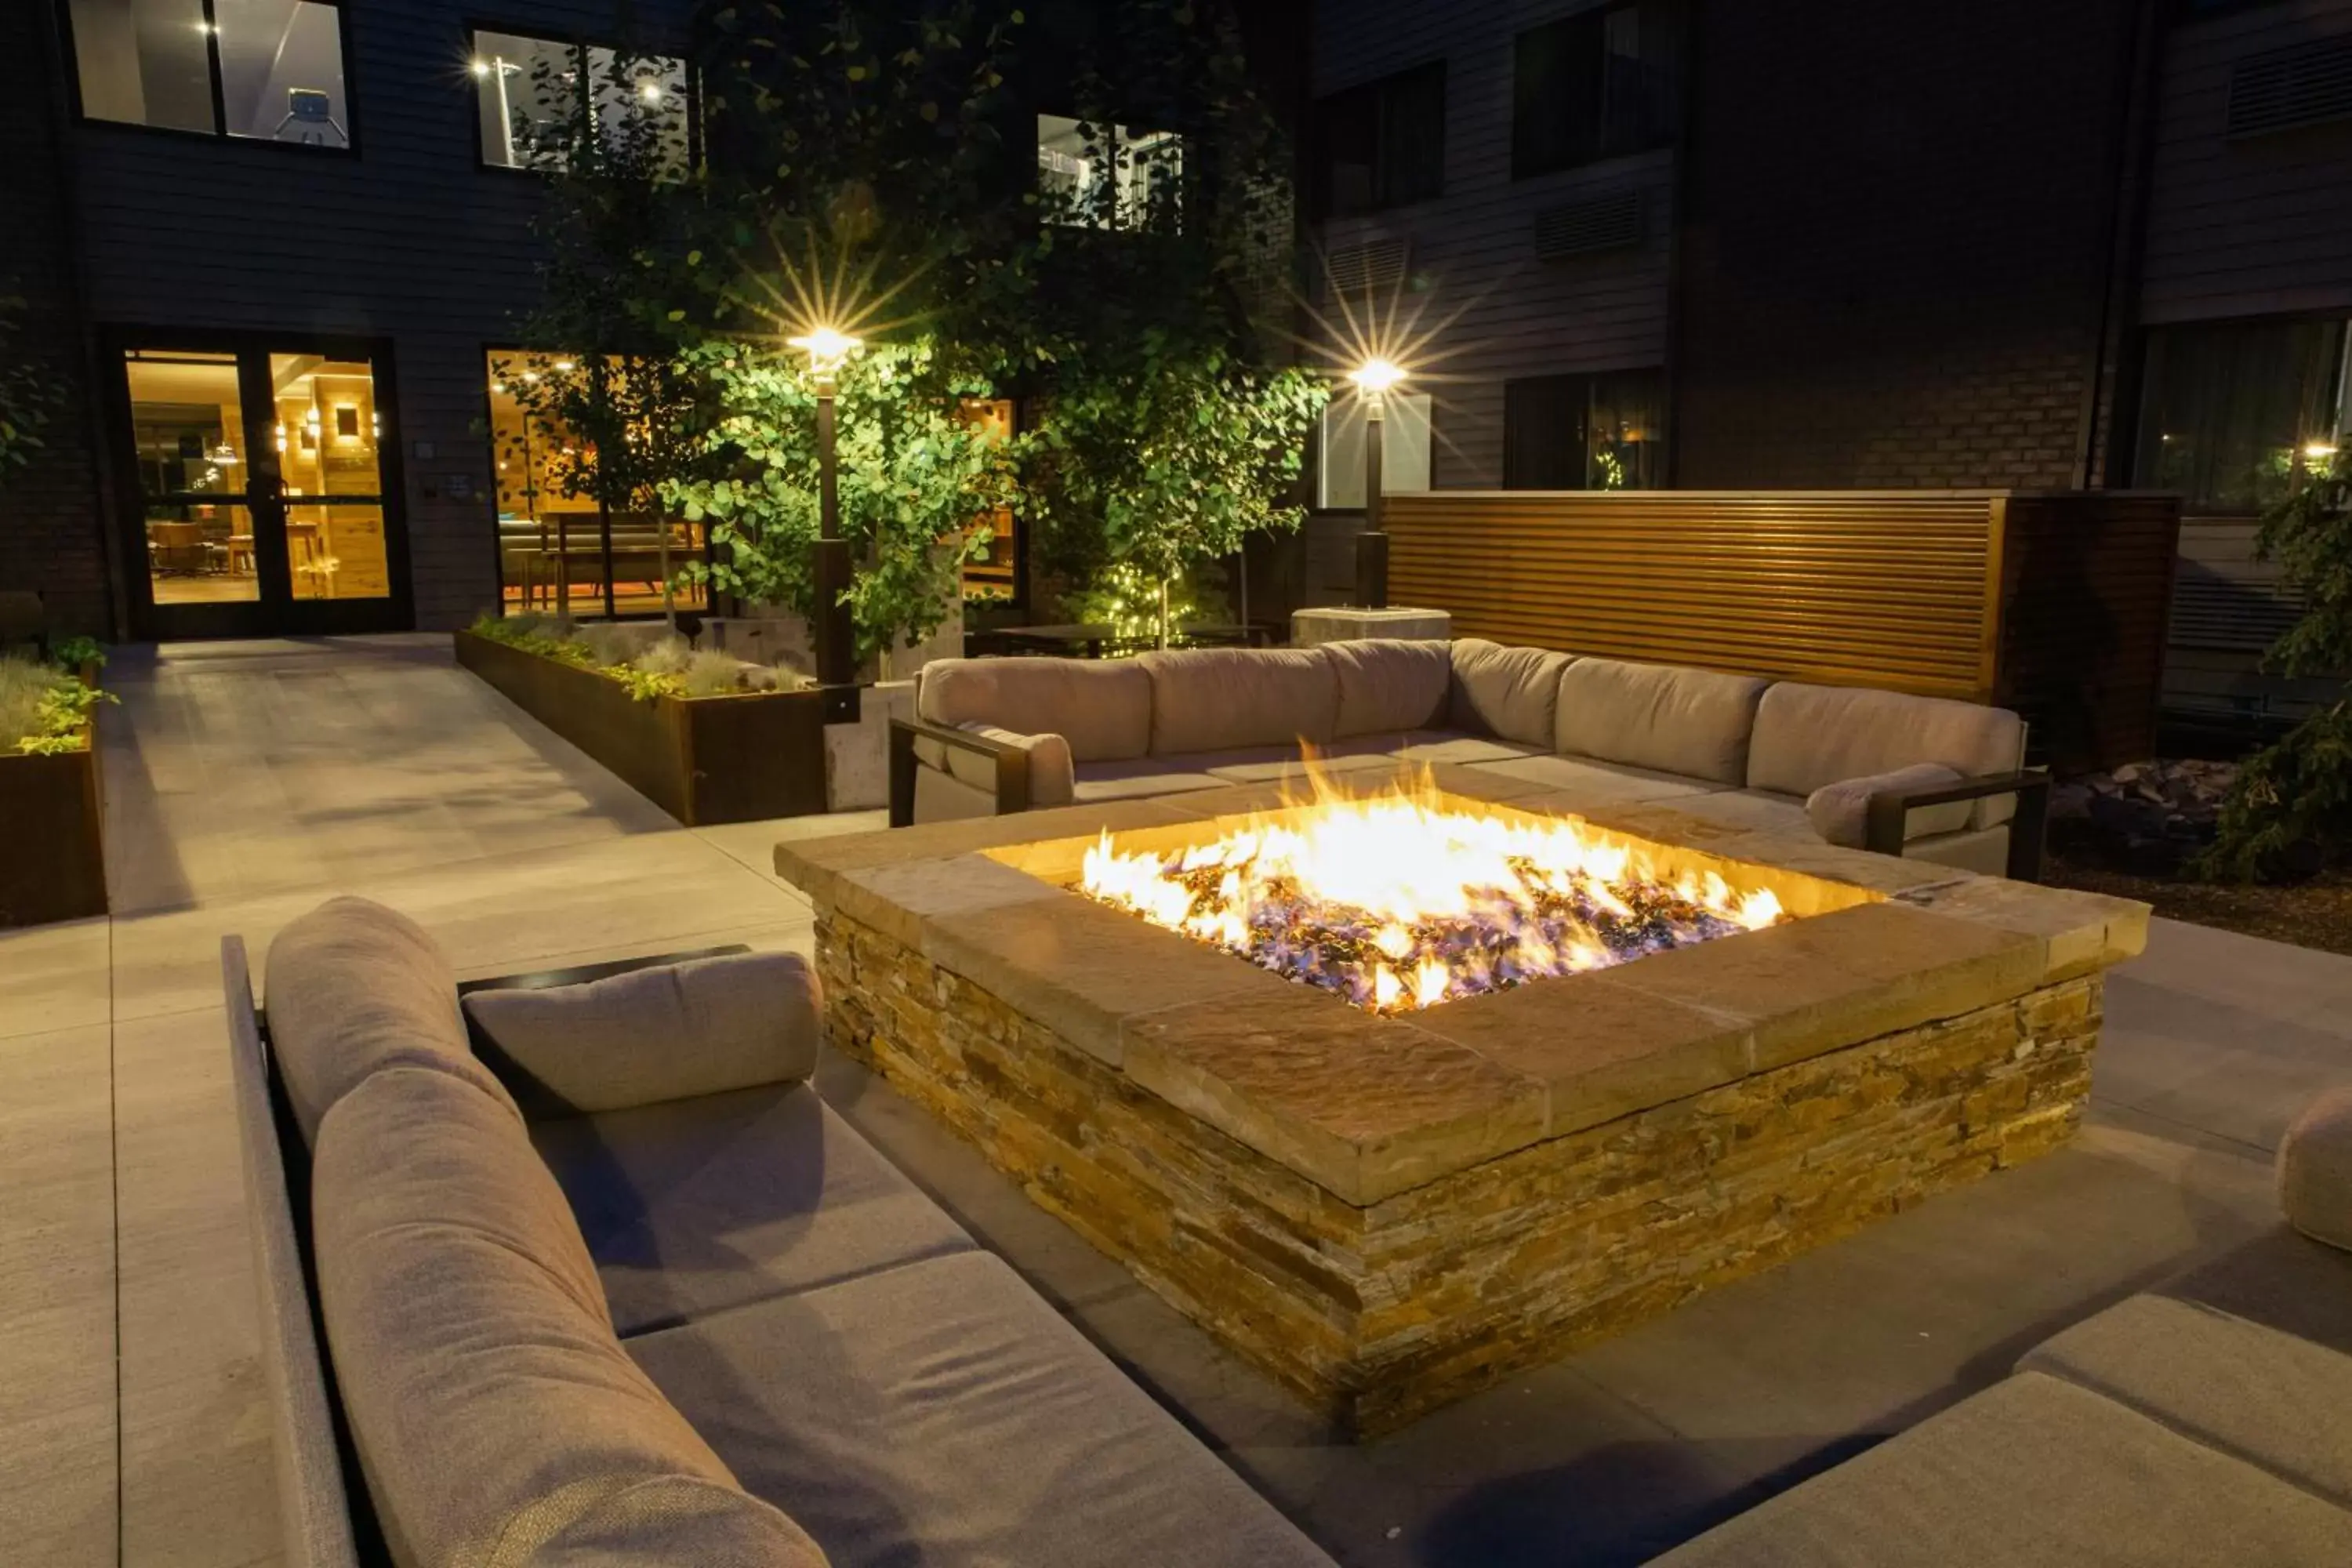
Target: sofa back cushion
{"type": "Point", "coordinates": [1511, 694]}
{"type": "Point", "coordinates": [1389, 685]}
{"type": "Point", "coordinates": [670, 1031]}
{"type": "Point", "coordinates": [495, 1415]}
{"type": "Point", "coordinates": [1226, 698]}
{"type": "Point", "coordinates": [1808, 736]}
{"type": "Point", "coordinates": [355, 988]}
{"type": "Point", "coordinates": [1102, 707]}
{"type": "Point", "coordinates": [1674, 720]}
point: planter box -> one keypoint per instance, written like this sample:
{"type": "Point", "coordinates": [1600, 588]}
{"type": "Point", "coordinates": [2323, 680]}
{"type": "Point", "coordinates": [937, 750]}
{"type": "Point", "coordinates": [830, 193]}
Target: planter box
{"type": "Point", "coordinates": [53, 860]}
{"type": "Point", "coordinates": [703, 759]}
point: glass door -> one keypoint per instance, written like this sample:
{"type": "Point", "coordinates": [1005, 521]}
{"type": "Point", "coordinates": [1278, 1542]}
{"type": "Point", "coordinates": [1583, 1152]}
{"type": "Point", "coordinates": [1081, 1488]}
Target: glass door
{"type": "Point", "coordinates": [261, 485]}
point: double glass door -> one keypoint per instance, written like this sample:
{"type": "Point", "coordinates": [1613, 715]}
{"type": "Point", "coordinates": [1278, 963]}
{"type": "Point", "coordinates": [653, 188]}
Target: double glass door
{"type": "Point", "coordinates": [264, 501]}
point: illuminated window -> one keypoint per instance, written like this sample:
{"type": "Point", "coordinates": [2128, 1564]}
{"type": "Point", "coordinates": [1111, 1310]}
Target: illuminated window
{"type": "Point", "coordinates": [2235, 412]}
{"type": "Point", "coordinates": [1110, 176]}
{"type": "Point", "coordinates": [1605, 432]}
{"type": "Point", "coordinates": [533, 93]}
{"type": "Point", "coordinates": [265, 70]}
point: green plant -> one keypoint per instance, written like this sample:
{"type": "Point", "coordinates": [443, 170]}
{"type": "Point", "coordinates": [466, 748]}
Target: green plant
{"type": "Point", "coordinates": [547, 637]}
{"type": "Point", "coordinates": [2291, 809]}
{"type": "Point", "coordinates": [1126, 599]}
{"type": "Point", "coordinates": [74, 652]}
{"type": "Point", "coordinates": [916, 472]}
{"type": "Point", "coordinates": [44, 709]}
{"type": "Point", "coordinates": [646, 684]}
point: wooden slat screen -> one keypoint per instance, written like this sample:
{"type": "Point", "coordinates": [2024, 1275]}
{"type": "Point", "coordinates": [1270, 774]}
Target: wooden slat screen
{"type": "Point", "coordinates": [1847, 588]}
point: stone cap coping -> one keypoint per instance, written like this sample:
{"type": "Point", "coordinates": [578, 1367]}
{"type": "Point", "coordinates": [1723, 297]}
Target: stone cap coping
{"type": "Point", "coordinates": [1368, 1107]}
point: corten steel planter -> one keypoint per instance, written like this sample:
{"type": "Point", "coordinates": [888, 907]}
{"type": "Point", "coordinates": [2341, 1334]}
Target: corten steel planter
{"type": "Point", "coordinates": [52, 853]}
{"type": "Point", "coordinates": [703, 759]}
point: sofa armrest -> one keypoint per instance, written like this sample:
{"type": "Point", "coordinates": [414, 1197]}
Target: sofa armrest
{"type": "Point", "coordinates": [1889, 809]}
{"type": "Point", "coordinates": [1012, 763]}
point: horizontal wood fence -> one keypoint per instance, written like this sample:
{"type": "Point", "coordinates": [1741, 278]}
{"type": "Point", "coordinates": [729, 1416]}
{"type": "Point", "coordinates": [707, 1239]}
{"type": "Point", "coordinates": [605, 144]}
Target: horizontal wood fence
{"type": "Point", "coordinates": [2054, 603]}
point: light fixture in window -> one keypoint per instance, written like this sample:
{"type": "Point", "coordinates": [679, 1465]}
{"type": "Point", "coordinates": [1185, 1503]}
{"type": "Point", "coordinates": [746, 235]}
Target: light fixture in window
{"type": "Point", "coordinates": [2319, 451]}
{"type": "Point", "coordinates": [651, 92]}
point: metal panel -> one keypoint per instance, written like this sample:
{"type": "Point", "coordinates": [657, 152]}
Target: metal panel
{"type": "Point", "coordinates": [1847, 588]}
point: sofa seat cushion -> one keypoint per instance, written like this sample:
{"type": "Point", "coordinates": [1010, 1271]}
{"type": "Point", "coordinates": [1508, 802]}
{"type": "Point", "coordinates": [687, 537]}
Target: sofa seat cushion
{"type": "Point", "coordinates": [2314, 1170]}
{"type": "Point", "coordinates": [1438, 748]}
{"type": "Point", "coordinates": [1144, 776]}
{"type": "Point", "coordinates": [942, 1414]}
{"type": "Point", "coordinates": [1511, 694]}
{"type": "Point", "coordinates": [1101, 707]}
{"type": "Point", "coordinates": [673, 1031]}
{"type": "Point", "coordinates": [493, 1411]}
{"type": "Point", "coordinates": [1220, 699]}
{"type": "Point", "coordinates": [1808, 736]}
{"type": "Point", "coordinates": [1604, 784]}
{"type": "Point", "coordinates": [2271, 1399]}
{"type": "Point", "coordinates": [2031, 1471]}
{"type": "Point", "coordinates": [354, 989]}
{"type": "Point", "coordinates": [1664, 717]}
{"type": "Point", "coordinates": [1389, 685]}
{"type": "Point", "coordinates": [696, 1206]}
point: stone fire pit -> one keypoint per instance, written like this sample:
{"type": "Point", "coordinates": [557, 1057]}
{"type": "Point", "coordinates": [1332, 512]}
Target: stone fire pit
{"type": "Point", "coordinates": [1388, 1212]}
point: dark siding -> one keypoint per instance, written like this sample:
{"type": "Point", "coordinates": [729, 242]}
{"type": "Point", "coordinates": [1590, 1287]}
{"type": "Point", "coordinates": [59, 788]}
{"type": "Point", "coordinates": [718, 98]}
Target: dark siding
{"type": "Point", "coordinates": [51, 538]}
{"type": "Point", "coordinates": [2254, 227]}
{"type": "Point", "coordinates": [411, 240]}
{"type": "Point", "coordinates": [1506, 314]}
{"type": "Point", "coordinates": [1897, 240]}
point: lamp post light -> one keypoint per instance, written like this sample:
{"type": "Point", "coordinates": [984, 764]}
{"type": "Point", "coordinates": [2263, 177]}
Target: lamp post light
{"type": "Point", "coordinates": [1374, 379]}
{"type": "Point", "coordinates": [837, 674]}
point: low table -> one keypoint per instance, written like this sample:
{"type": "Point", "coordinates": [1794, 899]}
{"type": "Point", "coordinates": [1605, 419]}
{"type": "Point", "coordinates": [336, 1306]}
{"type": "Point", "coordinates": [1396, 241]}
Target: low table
{"type": "Point", "coordinates": [1386, 1213]}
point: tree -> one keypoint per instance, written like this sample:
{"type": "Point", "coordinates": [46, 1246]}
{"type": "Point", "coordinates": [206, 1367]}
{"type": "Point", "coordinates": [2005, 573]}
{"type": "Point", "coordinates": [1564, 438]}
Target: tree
{"type": "Point", "coordinates": [917, 473]}
{"type": "Point", "coordinates": [605, 380]}
{"type": "Point", "coordinates": [1171, 426]}
{"type": "Point", "coordinates": [2291, 809]}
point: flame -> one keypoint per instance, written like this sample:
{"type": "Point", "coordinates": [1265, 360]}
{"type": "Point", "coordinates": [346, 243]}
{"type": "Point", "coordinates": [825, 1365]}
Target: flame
{"type": "Point", "coordinates": [1403, 899]}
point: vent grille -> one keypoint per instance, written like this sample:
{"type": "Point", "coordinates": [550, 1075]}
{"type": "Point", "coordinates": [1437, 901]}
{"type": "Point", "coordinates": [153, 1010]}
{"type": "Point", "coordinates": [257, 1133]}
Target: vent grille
{"type": "Point", "coordinates": [2214, 607]}
{"type": "Point", "coordinates": [1361, 268]}
{"type": "Point", "coordinates": [1580, 228]}
{"type": "Point", "coordinates": [2283, 88]}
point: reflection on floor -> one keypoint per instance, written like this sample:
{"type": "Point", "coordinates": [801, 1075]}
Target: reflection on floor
{"type": "Point", "coordinates": [221, 590]}
{"type": "Point", "coordinates": [247, 780]}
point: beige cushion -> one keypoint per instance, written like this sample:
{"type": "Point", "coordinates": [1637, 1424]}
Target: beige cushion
{"type": "Point", "coordinates": [1049, 762]}
{"type": "Point", "coordinates": [493, 1410]}
{"type": "Point", "coordinates": [1511, 693]}
{"type": "Point", "coordinates": [667, 1033]}
{"type": "Point", "coordinates": [1220, 699]}
{"type": "Point", "coordinates": [1599, 783]}
{"type": "Point", "coordinates": [2314, 1170]}
{"type": "Point", "coordinates": [1808, 736]}
{"type": "Point", "coordinates": [1693, 722]}
{"type": "Point", "coordinates": [1101, 707]}
{"type": "Point", "coordinates": [355, 988]}
{"type": "Point", "coordinates": [1388, 685]}
{"type": "Point", "coordinates": [1839, 812]}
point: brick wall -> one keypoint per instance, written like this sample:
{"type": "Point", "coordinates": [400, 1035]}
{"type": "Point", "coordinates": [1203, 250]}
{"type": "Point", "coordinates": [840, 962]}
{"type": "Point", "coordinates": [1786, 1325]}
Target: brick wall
{"type": "Point", "coordinates": [50, 538]}
{"type": "Point", "coordinates": [1896, 241]}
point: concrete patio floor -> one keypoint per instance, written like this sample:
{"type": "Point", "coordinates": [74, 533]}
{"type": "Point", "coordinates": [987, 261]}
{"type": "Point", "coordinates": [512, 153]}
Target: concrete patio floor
{"type": "Point", "coordinates": [247, 780]}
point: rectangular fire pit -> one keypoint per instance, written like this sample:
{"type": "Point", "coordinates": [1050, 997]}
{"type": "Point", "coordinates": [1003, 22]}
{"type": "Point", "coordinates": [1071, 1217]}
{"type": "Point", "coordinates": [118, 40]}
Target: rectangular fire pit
{"type": "Point", "coordinates": [1389, 1195]}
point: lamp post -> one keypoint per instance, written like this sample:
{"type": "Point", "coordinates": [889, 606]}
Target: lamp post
{"type": "Point", "coordinates": [1374, 378]}
{"type": "Point", "coordinates": [836, 672]}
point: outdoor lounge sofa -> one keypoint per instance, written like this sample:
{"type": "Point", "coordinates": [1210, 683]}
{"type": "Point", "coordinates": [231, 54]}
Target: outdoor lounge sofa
{"type": "Point", "coordinates": [1921, 776]}
{"type": "Point", "coordinates": [640, 1296]}
{"type": "Point", "coordinates": [2207, 1421]}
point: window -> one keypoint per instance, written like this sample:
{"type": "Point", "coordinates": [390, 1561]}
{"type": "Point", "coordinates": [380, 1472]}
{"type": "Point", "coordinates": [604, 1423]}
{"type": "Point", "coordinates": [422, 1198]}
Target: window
{"type": "Point", "coordinates": [1605, 432]}
{"type": "Point", "coordinates": [264, 70]}
{"type": "Point", "coordinates": [533, 93]}
{"type": "Point", "coordinates": [1382, 144]}
{"type": "Point", "coordinates": [2233, 414]}
{"type": "Point", "coordinates": [1599, 84]}
{"type": "Point", "coordinates": [1129, 179]}
{"type": "Point", "coordinates": [1404, 450]}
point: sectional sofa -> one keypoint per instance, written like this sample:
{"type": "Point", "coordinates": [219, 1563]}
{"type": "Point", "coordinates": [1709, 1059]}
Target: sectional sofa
{"type": "Point", "coordinates": [2207, 1421]}
{"type": "Point", "coordinates": [1921, 776]}
{"type": "Point", "coordinates": [590, 1274]}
